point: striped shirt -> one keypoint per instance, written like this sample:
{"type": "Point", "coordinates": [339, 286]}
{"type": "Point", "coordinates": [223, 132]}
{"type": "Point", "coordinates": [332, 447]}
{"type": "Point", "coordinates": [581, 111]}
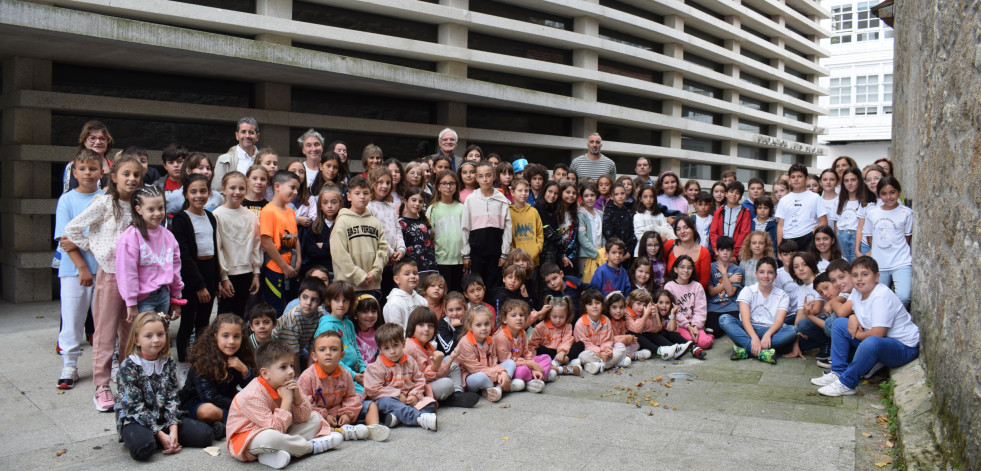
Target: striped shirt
{"type": "Point", "coordinates": [295, 329]}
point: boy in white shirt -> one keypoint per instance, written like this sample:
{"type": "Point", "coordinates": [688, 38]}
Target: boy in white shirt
{"type": "Point", "coordinates": [881, 331]}
{"type": "Point", "coordinates": [799, 211]}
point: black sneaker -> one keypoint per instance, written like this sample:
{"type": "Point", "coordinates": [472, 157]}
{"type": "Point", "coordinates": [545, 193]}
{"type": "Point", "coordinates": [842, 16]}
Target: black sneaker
{"type": "Point", "coordinates": [461, 399]}
{"type": "Point", "coordinates": [217, 430]}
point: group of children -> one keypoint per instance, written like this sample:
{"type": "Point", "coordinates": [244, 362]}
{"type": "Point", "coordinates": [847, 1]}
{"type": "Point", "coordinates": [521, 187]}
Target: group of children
{"type": "Point", "coordinates": [487, 280]}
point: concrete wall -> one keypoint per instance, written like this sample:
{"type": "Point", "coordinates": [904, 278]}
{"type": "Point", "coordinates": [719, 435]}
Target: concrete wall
{"type": "Point", "coordinates": [937, 143]}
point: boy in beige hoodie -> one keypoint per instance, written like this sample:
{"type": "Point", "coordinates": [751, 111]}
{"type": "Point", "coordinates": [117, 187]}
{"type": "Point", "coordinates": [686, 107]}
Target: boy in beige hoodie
{"type": "Point", "coordinates": [357, 243]}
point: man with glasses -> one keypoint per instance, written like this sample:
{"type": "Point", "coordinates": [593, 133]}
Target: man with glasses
{"type": "Point", "coordinates": [447, 140]}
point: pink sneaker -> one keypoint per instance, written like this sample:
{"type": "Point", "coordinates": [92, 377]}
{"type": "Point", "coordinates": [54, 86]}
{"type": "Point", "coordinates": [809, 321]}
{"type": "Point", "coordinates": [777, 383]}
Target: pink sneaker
{"type": "Point", "coordinates": [103, 399]}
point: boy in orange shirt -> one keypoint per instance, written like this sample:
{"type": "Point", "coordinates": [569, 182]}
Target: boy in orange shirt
{"type": "Point", "coordinates": [330, 389]}
{"type": "Point", "coordinates": [277, 226]}
{"type": "Point", "coordinates": [270, 420]}
{"type": "Point", "coordinates": [395, 383]}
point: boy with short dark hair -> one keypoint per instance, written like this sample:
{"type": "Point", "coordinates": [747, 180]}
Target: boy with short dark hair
{"type": "Point", "coordinates": [558, 284]}
{"type": "Point", "coordinates": [270, 420]}
{"type": "Point", "coordinates": [280, 242]}
{"type": "Point", "coordinates": [514, 278]}
{"type": "Point", "coordinates": [297, 326]}
{"type": "Point", "coordinates": [755, 188]}
{"type": "Point", "coordinates": [703, 218]}
{"type": "Point", "coordinates": [357, 243]}
{"type": "Point", "coordinates": [173, 159]}
{"type": "Point", "coordinates": [403, 299]}
{"type": "Point", "coordinates": [339, 302]}
{"type": "Point", "coordinates": [262, 321]}
{"type": "Point", "coordinates": [799, 211]}
{"type": "Point", "coordinates": [395, 383]}
{"type": "Point", "coordinates": [610, 277]}
{"type": "Point", "coordinates": [723, 287]}
{"type": "Point", "coordinates": [560, 171]}
{"type": "Point", "coordinates": [881, 331]}
{"type": "Point", "coordinates": [486, 228]}
{"type": "Point", "coordinates": [330, 390]}
{"type": "Point", "coordinates": [618, 220]}
{"type": "Point", "coordinates": [728, 176]}
{"type": "Point", "coordinates": [474, 290]}
{"type": "Point", "coordinates": [731, 219]}
{"type": "Point", "coordinates": [763, 219]}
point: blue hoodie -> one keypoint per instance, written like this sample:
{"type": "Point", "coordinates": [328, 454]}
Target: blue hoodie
{"type": "Point", "coordinates": [352, 356]}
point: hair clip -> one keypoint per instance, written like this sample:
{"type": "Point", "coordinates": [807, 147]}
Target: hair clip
{"type": "Point", "coordinates": [612, 293]}
{"type": "Point", "coordinates": [366, 296]}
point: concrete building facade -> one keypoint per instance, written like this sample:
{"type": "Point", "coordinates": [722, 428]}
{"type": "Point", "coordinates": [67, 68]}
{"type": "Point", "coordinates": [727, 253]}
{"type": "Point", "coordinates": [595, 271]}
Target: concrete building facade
{"type": "Point", "coordinates": [701, 86]}
{"type": "Point", "coordinates": [859, 103]}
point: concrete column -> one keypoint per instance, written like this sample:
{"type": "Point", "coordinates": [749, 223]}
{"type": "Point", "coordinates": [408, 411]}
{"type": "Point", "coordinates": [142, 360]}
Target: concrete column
{"type": "Point", "coordinates": [450, 113]}
{"type": "Point", "coordinates": [586, 59]}
{"type": "Point", "coordinates": [25, 199]}
{"type": "Point", "coordinates": [275, 97]}
{"type": "Point", "coordinates": [275, 9]}
{"type": "Point", "coordinates": [673, 165]}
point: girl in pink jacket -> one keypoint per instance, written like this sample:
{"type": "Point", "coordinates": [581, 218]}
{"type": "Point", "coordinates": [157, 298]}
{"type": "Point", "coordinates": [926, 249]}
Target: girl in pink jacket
{"type": "Point", "coordinates": [692, 305]}
{"type": "Point", "coordinates": [148, 260]}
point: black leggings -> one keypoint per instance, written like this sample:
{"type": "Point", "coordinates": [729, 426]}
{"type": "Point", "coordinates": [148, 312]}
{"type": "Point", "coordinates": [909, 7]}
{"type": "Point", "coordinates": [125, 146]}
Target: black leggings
{"type": "Point", "coordinates": [453, 274]}
{"type": "Point", "coordinates": [236, 304]}
{"type": "Point", "coordinates": [652, 340]}
{"type": "Point", "coordinates": [574, 351]}
{"type": "Point", "coordinates": [142, 442]}
{"type": "Point", "coordinates": [195, 315]}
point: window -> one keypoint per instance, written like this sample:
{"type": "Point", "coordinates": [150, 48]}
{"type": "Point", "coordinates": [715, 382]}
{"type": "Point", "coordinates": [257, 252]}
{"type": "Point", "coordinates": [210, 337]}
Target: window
{"type": "Point", "coordinates": [699, 60]}
{"type": "Point", "coordinates": [842, 24]}
{"type": "Point", "coordinates": [700, 115]}
{"type": "Point", "coordinates": [627, 70]}
{"type": "Point", "coordinates": [793, 136]}
{"type": "Point", "coordinates": [751, 152]}
{"type": "Point", "coordinates": [515, 12]}
{"type": "Point", "coordinates": [702, 89]}
{"type": "Point", "coordinates": [531, 83]}
{"type": "Point", "coordinates": [866, 89]}
{"type": "Point", "coordinates": [754, 127]}
{"type": "Point", "coordinates": [759, 81]}
{"type": "Point", "coordinates": [866, 110]}
{"type": "Point", "coordinates": [887, 88]}
{"type": "Point", "coordinates": [616, 5]}
{"type": "Point", "coordinates": [839, 112]}
{"type": "Point", "coordinates": [744, 174]}
{"type": "Point", "coordinates": [887, 110]}
{"type": "Point", "coordinates": [754, 104]}
{"type": "Point", "coordinates": [866, 21]}
{"type": "Point", "coordinates": [363, 21]}
{"type": "Point", "coordinates": [629, 101]}
{"type": "Point", "coordinates": [511, 47]}
{"type": "Point", "coordinates": [796, 115]}
{"type": "Point", "coordinates": [696, 171]}
{"type": "Point", "coordinates": [841, 91]}
{"type": "Point", "coordinates": [618, 133]}
{"type": "Point", "coordinates": [630, 40]}
{"type": "Point", "coordinates": [700, 144]}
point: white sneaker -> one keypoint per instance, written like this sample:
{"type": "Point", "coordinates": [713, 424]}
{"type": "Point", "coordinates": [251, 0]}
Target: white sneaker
{"type": "Point", "coordinates": [536, 386]}
{"type": "Point", "coordinates": [276, 460]}
{"type": "Point", "coordinates": [594, 367]}
{"type": "Point", "coordinates": [427, 421]}
{"type": "Point", "coordinates": [576, 362]}
{"type": "Point", "coordinates": [624, 363]}
{"type": "Point", "coordinates": [517, 385]}
{"type": "Point", "coordinates": [683, 350]}
{"type": "Point", "coordinates": [555, 364]}
{"type": "Point", "coordinates": [671, 352]}
{"type": "Point", "coordinates": [389, 420]}
{"type": "Point", "coordinates": [642, 355]}
{"type": "Point", "coordinates": [825, 379]}
{"type": "Point", "coordinates": [552, 374]}
{"type": "Point", "coordinates": [322, 444]}
{"type": "Point", "coordinates": [493, 394]}
{"type": "Point", "coordinates": [68, 377]}
{"type": "Point", "coordinates": [875, 369]}
{"type": "Point", "coordinates": [182, 369]}
{"type": "Point", "coordinates": [836, 389]}
{"type": "Point", "coordinates": [354, 432]}
{"type": "Point", "coordinates": [378, 432]}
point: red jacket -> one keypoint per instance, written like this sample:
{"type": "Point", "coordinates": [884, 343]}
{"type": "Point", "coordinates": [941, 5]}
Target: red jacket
{"type": "Point", "coordinates": [744, 223]}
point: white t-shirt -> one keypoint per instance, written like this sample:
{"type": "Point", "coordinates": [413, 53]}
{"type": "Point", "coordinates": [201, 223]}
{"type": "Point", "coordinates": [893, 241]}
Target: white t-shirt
{"type": "Point", "coordinates": [806, 294]}
{"type": "Point", "coordinates": [763, 310]}
{"type": "Point", "coordinates": [311, 175]}
{"type": "Point", "coordinates": [245, 161]}
{"type": "Point", "coordinates": [883, 309]}
{"type": "Point", "coordinates": [848, 219]}
{"type": "Point", "coordinates": [831, 209]}
{"type": "Point", "coordinates": [702, 225]}
{"type": "Point", "coordinates": [889, 229]}
{"type": "Point", "coordinates": [786, 282]}
{"type": "Point", "coordinates": [800, 213]}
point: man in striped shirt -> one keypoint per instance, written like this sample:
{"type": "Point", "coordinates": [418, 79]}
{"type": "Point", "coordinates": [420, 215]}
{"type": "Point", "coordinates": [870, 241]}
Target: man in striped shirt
{"type": "Point", "coordinates": [592, 164]}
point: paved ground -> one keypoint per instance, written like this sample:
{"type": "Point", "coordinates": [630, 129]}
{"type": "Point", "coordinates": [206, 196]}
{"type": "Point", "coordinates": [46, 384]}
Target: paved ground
{"type": "Point", "coordinates": [734, 415]}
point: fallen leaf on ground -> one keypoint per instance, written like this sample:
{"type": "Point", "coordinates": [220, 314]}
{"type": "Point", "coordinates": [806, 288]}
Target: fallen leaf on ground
{"type": "Point", "coordinates": [650, 412]}
{"type": "Point", "coordinates": [812, 394]}
{"type": "Point", "coordinates": [60, 393]}
{"type": "Point", "coordinates": [674, 408]}
{"type": "Point", "coordinates": [505, 437]}
{"type": "Point", "coordinates": [881, 464]}
{"type": "Point", "coordinates": [61, 452]}
{"type": "Point", "coordinates": [667, 385]}
{"type": "Point", "coordinates": [604, 395]}
{"type": "Point", "coordinates": [505, 406]}
{"type": "Point", "coordinates": [866, 434]}
{"type": "Point", "coordinates": [212, 450]}
{"type": "Point", "coordinates": [889, 444]}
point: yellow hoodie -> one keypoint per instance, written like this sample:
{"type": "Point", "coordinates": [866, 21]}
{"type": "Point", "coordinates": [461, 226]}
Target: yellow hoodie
{"type": "Point", "coordinates": [527, 227]}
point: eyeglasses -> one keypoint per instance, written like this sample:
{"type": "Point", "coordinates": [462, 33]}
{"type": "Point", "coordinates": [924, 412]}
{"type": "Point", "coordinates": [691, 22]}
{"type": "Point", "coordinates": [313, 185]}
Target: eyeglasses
{"type": "Point", "coordinates": [100, 139]}
{"type": "Point", "coordinates": [447, 184]}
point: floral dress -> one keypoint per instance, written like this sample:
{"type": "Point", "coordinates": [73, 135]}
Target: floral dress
{"type": "Point", "coordinates": [147, 393]}
{"type": "Point", "coordinates": [419, 244]}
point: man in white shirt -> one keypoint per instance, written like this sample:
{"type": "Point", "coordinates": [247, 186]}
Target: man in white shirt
{"type": "Point", "coordinates": [239, 157]}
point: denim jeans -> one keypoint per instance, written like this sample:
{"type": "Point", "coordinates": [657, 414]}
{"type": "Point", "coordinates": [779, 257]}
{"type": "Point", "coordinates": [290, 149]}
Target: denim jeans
{"type": "Point", "coordinates": [815, 335]}
{"type": "Point", "coordinates": [406, 414]}
{"type": "Point", "coordinates": [847, 241]}
{"type": "Point", "coordinates": [480, 381]}
{"type": "Point", "coordinates": [865, 248]}
{"type": "Point", "coordinates": [868, 352]}
{"type": "Point", "coordinates": [734, 329]}
{"type": "Point", "coordinates": [157, 301]}
{"type": "Point", "coordinates": [902, 279]}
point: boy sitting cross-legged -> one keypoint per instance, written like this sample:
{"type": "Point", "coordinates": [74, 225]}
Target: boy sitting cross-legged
{"type": "Point", "coordinates": [395, 383]}
{"type": "Point", "coordinates": [330, 390]}
{"type": "Point", "coordinates": [270, 420]}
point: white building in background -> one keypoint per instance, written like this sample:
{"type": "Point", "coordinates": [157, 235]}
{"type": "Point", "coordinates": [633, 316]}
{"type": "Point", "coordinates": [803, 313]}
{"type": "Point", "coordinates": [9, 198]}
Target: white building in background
{"type": "Point", "coordinates": [859, 120]}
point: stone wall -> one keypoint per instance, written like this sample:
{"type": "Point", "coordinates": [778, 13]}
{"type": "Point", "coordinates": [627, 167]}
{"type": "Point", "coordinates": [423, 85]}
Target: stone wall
{"type": "Point", "coordinates": [937, 142]}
